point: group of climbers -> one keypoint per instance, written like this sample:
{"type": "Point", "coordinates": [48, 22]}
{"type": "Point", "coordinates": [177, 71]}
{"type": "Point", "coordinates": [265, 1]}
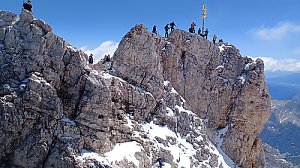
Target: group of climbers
{"type": "Point", "coordinates": [105, 59]}
{"type": "Point", "coordinates": [191, 30]}
{"type": "Point", "coordinates": [167, 27]}
{"type": "Point", "coordinates": [27, 6]}
{"type": "Point", "coordinates": [204, 34]}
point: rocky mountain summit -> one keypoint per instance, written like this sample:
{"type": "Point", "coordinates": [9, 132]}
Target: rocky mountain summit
{"type": "Point", "coordinates": [182, 99]}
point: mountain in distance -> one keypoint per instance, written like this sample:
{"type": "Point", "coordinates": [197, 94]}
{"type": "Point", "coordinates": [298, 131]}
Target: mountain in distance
{"type": "Point", "coordinates": [282, 131]}
{"type": "Point", "coordinates": [283, 85]}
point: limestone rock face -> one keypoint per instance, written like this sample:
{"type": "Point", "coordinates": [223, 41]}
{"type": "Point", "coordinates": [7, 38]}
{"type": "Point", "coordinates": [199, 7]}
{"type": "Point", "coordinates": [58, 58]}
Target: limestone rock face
{"type": "Point", "coordinates": [138, 60]}
{"type": "Point", "coordinates": [162, 98]}
{"type": "Point", "coordinates": [216, 81]}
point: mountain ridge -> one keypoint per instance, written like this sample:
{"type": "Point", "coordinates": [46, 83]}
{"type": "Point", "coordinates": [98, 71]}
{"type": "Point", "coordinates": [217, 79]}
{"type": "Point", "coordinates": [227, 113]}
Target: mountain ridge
{"type": "Point", "coordinates": [59, 111]}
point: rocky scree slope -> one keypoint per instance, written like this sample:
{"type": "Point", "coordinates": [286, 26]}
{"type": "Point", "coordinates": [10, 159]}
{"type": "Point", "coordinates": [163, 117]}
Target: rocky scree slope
{"type": "Point", "coordinates": [182, 99]}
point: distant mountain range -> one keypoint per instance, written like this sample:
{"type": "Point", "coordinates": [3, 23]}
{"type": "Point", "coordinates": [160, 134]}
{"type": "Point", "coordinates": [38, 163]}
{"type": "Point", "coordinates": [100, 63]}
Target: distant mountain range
{"type": "Point", "coordinates": [283, 85]}
{"type": "Point", "coordinates": [282, 131]}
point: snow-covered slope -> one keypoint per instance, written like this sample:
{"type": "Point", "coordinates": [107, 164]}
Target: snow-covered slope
{"type": "Point", "coordinates": [160, 141]}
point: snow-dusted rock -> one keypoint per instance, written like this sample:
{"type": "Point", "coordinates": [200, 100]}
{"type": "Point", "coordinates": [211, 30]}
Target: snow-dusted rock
{"type": "Point", "coordinates": [219, 85]}
{"type": "Point", "coordinates": [162, 98]}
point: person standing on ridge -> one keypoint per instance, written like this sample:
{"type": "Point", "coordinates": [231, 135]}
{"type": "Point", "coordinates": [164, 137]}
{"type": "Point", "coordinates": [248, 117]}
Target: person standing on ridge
{"type": "Point", "coordinates": [199, 31]}
{"type": "Point", "coordinates": [220, 42]}
{"type": "Point", "coordinates": [172, 25]}
{"type": "Point", "coordinates": [91, 59]}
{"type": "Point", "coordinates": [107, 58]}
{"type": "Point", "coordinates": [154, 30]}
{"type": "Point", "coordinates": [27, 6]}
{"type": "Point", "coordinates": [214, 39]}
{"type": "Point", "coordinates": [193, 27]}
{"type": "Point", "coordinates": [206, 33]}
{"type": "Point", "coordinates": [167, 30]}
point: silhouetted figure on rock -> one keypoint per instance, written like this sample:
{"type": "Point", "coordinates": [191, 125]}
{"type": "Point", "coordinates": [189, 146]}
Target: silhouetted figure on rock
{"type": "Point", "coordinates": [154, 30]}
{"type": "Point", "coordinates": [27, 6]}
{"type": "Point", "coordinates": [167, 30]}
{"type": "Point", "coordinates": [172, 25]}
{"type": "Point", "coordinates": [192, 28]}
{"type": "Point", "coordinates": [199, 31]}
{"type": "Point", "coordinates": [214, 39]}
{"type": "Point", "coordinates": [206, 33]}
{"type": "Point", "coordinates": [91, 59]}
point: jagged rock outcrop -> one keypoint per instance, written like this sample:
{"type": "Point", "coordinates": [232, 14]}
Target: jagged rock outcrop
{"type": "Point", "coordinates": [163, 98]}
{"type": "Point", "coordinates": [227, 89]}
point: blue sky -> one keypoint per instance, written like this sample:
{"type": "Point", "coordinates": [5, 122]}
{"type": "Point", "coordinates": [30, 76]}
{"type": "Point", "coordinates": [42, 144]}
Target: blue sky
{"type": "Point", "coordinates": [259, 28]}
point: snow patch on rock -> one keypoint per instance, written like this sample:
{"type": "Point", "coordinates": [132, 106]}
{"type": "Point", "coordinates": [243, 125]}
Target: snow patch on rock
{"type": "Point", "coordinates": [219, 141]}
{"type": "Point", "coordinates": [123, 151]}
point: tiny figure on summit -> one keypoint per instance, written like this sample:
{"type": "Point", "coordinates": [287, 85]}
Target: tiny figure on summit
{"type": "Point", "coordinates": [154, 30]}
{"type": "Point", "coordinates": [172, 25]}
{"type": "Point", "coordinates": [167, 30]}
{"type": "Point", "coordinates": [206, 33]}
{"type": "Point", "coordinates": [107, 61]}
{"type": "Point", "coordinates": [220, 42]}
{"type": "Point", "coordinates": [27, 6]}
{"type": "Point", "coordinates": [193, 24]}
{"type": "Point", "coordinates": [214, 39]}
{"type": "Point", "coordinates": [192, 28]}
{"type": "Point", "coordinates": [199, 31]}
{"type": "Point", "coordinates": [91, 59]}
{"type": "Point", "coordinates": [106, 58]}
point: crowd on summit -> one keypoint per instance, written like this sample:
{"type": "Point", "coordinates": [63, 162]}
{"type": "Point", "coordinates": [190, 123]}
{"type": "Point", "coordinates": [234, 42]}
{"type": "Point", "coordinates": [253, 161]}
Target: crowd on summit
{"type": "Point", "coordinates": [169, 28]}
{"type": "Point", "coordinates": [204, 33]}
{"type": "Point", "coordinates": [172, 25]}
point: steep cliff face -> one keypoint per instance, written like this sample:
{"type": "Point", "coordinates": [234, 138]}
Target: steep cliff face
{"type": "Point", "coordinates": [182, 99]}
{"type": "Point", "coordinates": [216, 82]}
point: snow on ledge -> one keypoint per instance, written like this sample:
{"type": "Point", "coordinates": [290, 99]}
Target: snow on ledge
{"type": "Point", "coordinates": [219, 141]}
{"type": "Point", "coordinates": [222, 47]}
{"type": "Point", "coordinates": [71, 48]}
{"type": "Point", "coordinates": [242, 78]}
{"type": "Point", "coordinates": [123, 151]}
{"type": "Point", "coordinates": [181, 109]}
{"type": "Point", "coordinates": [170, 112]}
{"type": "Point", "coordinates": [120, 152]}
{"type": "Point", "coordinates": [86, 155]}
{"type": "Point", "coordinates": [166, 83]}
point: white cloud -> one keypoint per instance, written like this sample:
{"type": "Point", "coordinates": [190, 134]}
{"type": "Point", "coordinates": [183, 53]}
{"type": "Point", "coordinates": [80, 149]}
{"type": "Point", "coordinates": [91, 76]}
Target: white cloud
{"type": "Point", "coordinates": [279, 32]}
{"type": "Point", "coordinates": [272, 64]}
{"type": "Point", "coordinates": [107, 47]}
